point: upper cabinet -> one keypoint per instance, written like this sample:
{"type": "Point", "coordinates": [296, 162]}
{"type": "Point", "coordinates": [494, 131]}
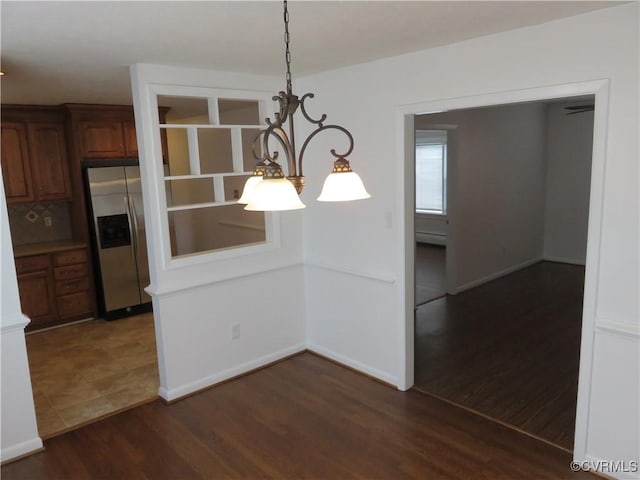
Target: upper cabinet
{"type": "Point", "coordinates": [34, 155]}
{"type": "Point", "coordinates": [48, 152]}
{"type": "Point", "coordinates": [16, 168]}
{"type": "Point", "coordinates": [102, 139]}
{"type": "Point", "coordinates": [106, 131]}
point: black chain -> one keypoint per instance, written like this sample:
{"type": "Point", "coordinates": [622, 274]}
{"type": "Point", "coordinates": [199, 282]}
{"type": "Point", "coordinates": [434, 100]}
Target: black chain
{"type": "Point", "coordinates": [287, 55]}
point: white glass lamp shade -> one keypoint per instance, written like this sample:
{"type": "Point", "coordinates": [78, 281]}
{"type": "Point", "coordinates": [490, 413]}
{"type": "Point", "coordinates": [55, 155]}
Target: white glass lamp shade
{"type": "Point", "coordinates": [343, 187]}
{"type": "Point", "coordinates": [274, 194]}
{"type": "Point", "coordinates": [249, 187]}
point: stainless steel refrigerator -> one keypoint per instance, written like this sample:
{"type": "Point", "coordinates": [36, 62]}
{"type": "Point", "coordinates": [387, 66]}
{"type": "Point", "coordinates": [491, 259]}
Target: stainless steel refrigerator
{"type": "Point", "coordinates": [119, 243]}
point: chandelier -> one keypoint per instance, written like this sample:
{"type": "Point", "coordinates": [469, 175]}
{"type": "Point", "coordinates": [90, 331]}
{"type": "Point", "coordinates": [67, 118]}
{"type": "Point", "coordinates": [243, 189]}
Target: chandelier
{"type": "Point", "coordinates": [269, 189]}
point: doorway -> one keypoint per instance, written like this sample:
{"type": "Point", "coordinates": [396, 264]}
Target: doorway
{"type": "Point", "coordinates": [507, 346]}
{"type": "Point", "coordinates": [543, 94]}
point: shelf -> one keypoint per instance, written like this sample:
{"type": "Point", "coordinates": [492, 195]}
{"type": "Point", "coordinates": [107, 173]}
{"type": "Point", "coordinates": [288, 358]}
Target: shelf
{"type": "Point", "coordinates": [194, 206]}
{"type": "Point", "coordinates": [209, 175]}
{"type": "Point", "coordinates": [168, 126]}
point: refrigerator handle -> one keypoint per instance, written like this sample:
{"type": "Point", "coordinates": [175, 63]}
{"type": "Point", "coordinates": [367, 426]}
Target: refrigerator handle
{"type": "Point", "coordinates": [127, 208]}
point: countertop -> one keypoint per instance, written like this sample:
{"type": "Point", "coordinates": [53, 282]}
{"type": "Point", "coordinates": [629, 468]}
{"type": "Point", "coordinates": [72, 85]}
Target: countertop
{"type": "Point", "coordinates": [46, 247]}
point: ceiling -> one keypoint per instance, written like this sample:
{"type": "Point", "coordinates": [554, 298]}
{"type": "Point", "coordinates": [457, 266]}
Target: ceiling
{"type": "Point", "coordinates": [79, 51]}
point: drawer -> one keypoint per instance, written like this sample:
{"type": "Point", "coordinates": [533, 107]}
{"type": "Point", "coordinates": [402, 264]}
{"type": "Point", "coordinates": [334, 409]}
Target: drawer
{"type": "Point", "coordinates": [74, 304]}
{"type": "Point", "coordinates": [71, 272]}
{"type": "Point", "coordinates": [72, 286]}
{"type": "Point", "coordinates": [70, 257]}
{"type": "Point", "coordinates": [32, 264]}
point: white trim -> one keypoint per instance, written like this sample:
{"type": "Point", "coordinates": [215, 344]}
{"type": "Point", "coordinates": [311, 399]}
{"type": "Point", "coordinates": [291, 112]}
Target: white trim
{"type": "Point", "coordinates": [196, 206]}
{"type": "Point", "coordinates": [618, 329]}
{"type": "Point", "coordinates": [496, 275]}
{"type": "Point", "coordinates": [592, 266]}
{"type": "Point", "coordinates": [208, 175]}
{"type": "Point", "coordinates": [405, 188]}
{"type": "Point", "coordinates": [19, 322]}
{"type": "Point", "coordinates": [349, 362]}
{"type": "Point", "coordinates": [192, 387]}
{"type": "Point", "coordinates": [385, 278]}
{"type": "Point", "coordinates": [21, 448]}
{"type": "Point", "coordinates": [570, 261]}
{"type": "Point", "coordinates": [406, 200]}
{"type": "Point", "coordinates": [196, 126]}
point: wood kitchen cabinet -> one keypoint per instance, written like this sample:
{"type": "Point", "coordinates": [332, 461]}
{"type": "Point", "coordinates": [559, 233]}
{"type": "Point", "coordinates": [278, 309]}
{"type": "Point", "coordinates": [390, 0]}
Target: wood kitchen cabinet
{"type": "Point", "coordinates": [34, 155]}
{"type": "Point", "coordinates": [55, 288]}
{"type": "Point", "coordinates": [37, 291]}
{"type": "Point", "coordinates": [102, 139]}
{"type": "Point", "coordinates": [49, 161]}
{"type": "Point", "coordinates": [16, 168]}
{"type": "Point", "coordinates": [108, 131]}
{"type": "Point", "coordinates": [71, 274]}
{"type": "Point", "coordinates": [131, 140]}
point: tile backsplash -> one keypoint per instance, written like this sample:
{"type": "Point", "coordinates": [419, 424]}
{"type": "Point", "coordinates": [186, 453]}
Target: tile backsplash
{"type": "Point", "coordinates": [39, 222]}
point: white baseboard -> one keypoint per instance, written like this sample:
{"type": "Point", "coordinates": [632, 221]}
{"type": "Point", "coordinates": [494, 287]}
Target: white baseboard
{"type": "Point", "coordinates": [496, 275]}
{"type": "Point", "coordinates": [570, 261]}
{"type": "Point", "coordinates": [175, 393]}
{"type": "Point", "coordinates": [349, 362]}
{"type": "Point", "coordinates": [21, 449]}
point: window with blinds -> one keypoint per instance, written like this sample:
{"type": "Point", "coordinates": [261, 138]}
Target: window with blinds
{"type": "Point", "coordinates": [431, 171]}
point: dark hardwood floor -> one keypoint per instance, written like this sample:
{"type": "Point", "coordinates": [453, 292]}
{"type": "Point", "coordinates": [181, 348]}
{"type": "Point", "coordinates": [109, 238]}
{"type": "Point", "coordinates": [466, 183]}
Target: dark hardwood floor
{"type": "Point", "coordinates": [430, 272]}
{"type": "Point", "coordinates": [508, 349]}
{"type": "Point", "coordinates": [301, 418]}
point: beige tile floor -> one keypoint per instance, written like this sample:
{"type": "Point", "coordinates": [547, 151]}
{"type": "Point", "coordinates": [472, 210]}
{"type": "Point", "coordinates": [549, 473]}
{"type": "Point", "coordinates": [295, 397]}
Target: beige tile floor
{"type": "Point", "coordinates": [88, 370]}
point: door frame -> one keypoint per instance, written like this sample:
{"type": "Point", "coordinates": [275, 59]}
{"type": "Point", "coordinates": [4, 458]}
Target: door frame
{"type": "Point", "coordinates": [406, 241]}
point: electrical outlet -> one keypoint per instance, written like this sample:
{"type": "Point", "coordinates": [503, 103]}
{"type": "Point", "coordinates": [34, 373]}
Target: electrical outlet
{"type": "Point", "coordinates": [236, 194]}
{"type": "Point", "coordinates": [47, 221]}
{"type": "Point", "coordinates": [235, 331]}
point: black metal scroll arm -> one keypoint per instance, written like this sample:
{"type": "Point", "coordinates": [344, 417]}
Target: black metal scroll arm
{"type": "Point", "coordinates": [321, 128]}
{"type": "Point", "coordinates": [275, 129]}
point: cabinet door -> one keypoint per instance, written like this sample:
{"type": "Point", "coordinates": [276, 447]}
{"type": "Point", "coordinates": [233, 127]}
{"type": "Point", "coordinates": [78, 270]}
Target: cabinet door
{"type": "Point", "coordinates": [37, 296]}
{"type": "Point", "coordinates": [75, 304]}
{"type": "Point", "coordinates": [16, 170]}
{"type": "Point", "coordinates": [49, 161]}
{"type": "Point", "coordinates": [131, 141]}
{"type": "Point", "coordinates": [102, 139]}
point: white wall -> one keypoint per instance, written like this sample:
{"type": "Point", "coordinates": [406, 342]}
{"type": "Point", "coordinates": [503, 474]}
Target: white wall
{"type": "Point", "coordinates": [197, 300]}
{"type": "Point", "coordinates": [19, 430]}
{"type": "Point", "coordinates": [499, 193]}
{"type": "Point", "coordinates": [373, 246]}
{"type": "Point", "coordinates": [569, 150]}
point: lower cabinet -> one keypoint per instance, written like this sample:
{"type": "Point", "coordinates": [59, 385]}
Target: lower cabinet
{"type": "Point", "coordinates": [55, 288]}
{"type": "Point", "coordinates": [37, 291]}
{"type": "Point", "coordinates": [71, 275]}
